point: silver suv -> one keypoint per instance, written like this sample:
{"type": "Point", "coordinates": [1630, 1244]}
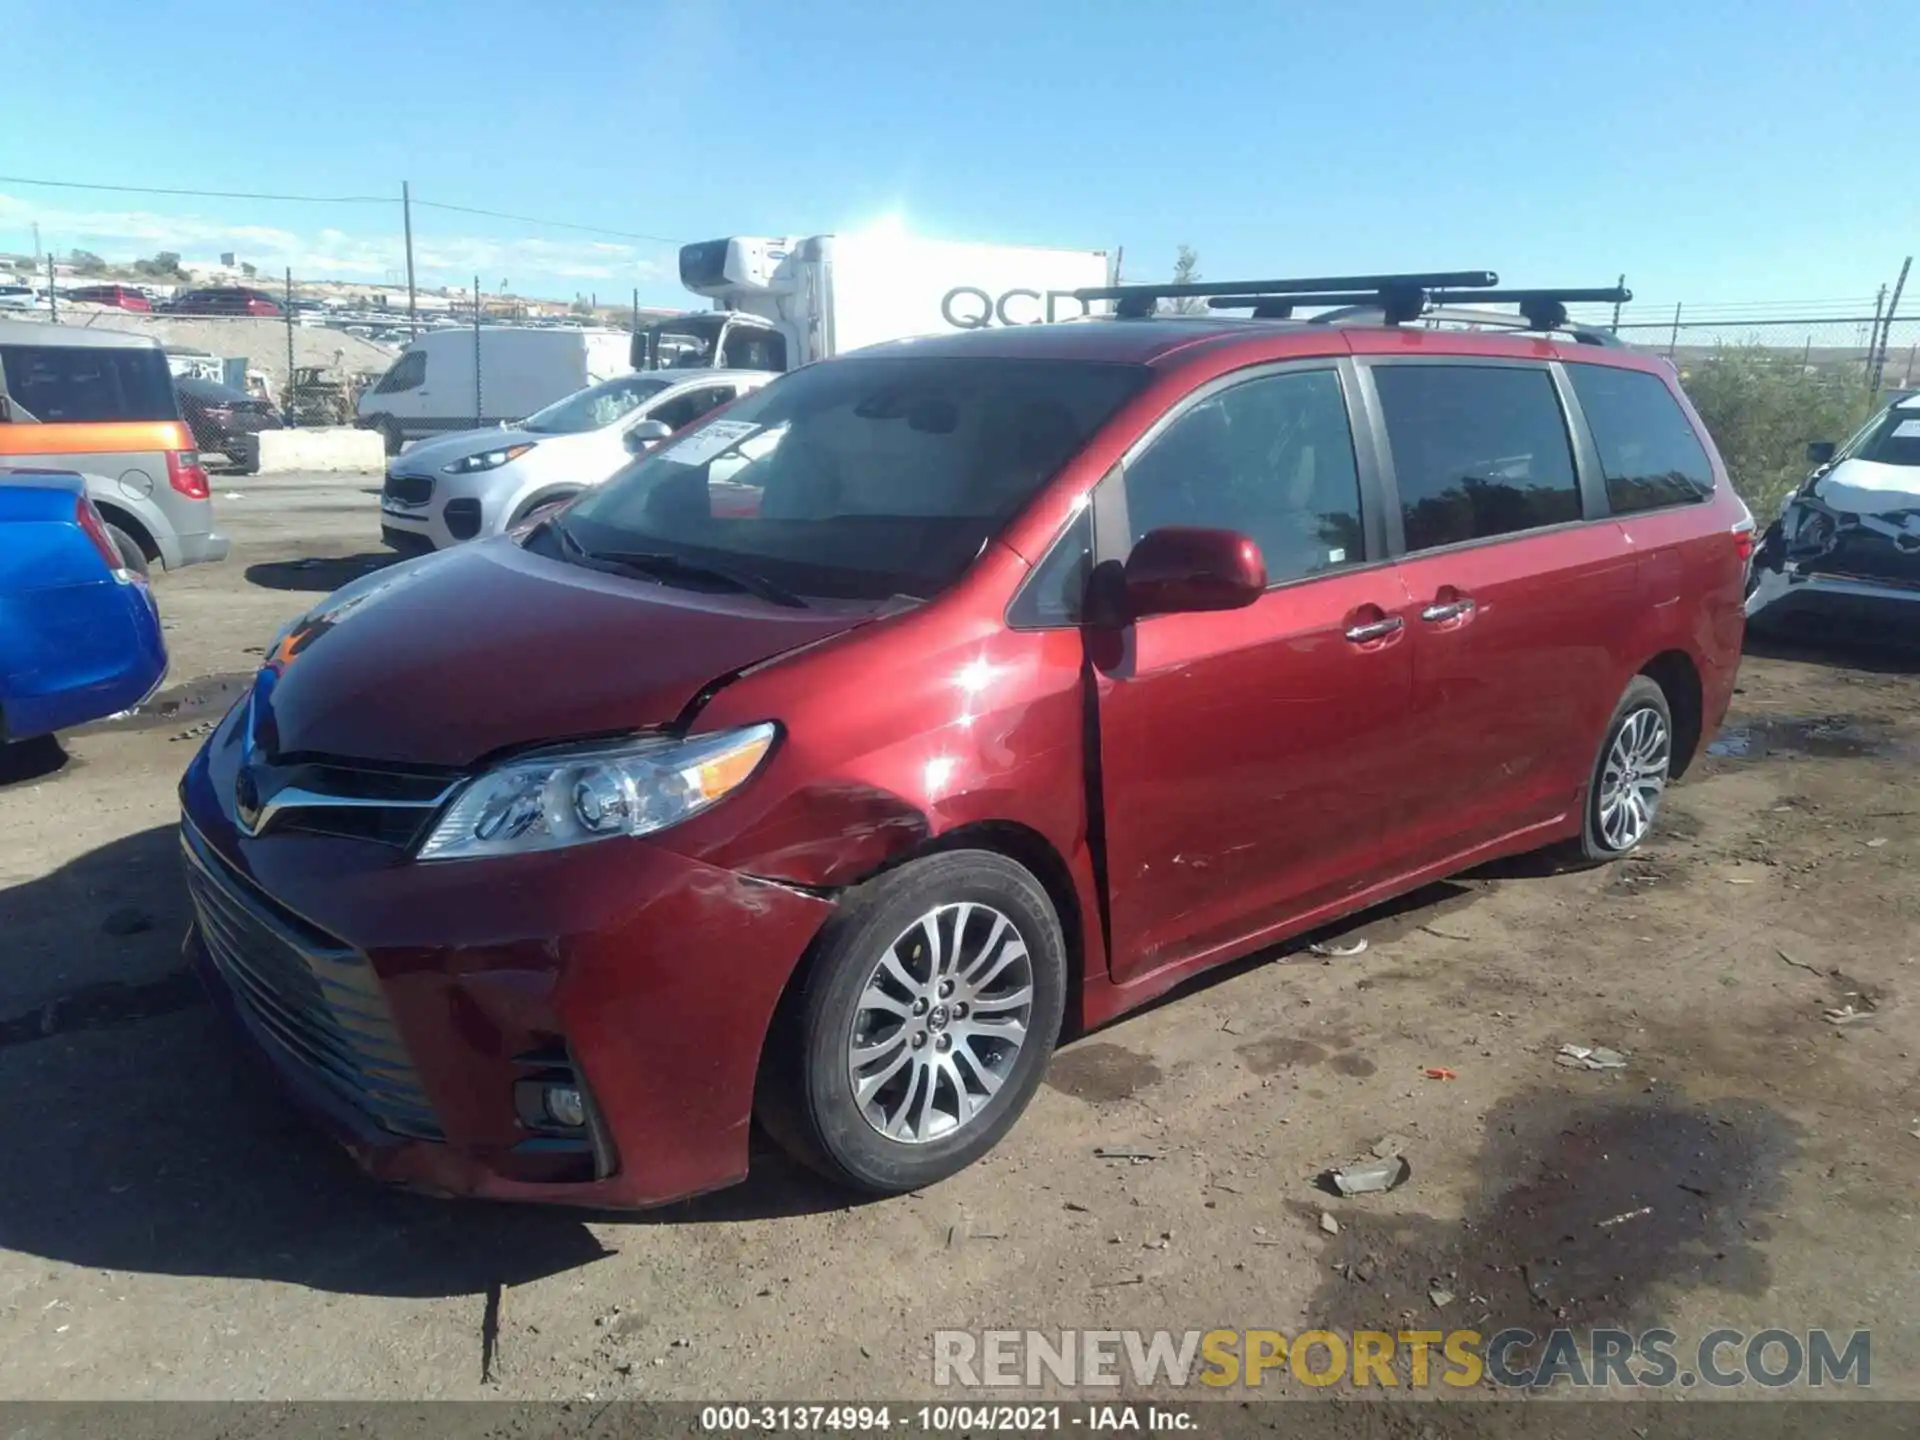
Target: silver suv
{"type": "Point", "coordinates": [102, 403]}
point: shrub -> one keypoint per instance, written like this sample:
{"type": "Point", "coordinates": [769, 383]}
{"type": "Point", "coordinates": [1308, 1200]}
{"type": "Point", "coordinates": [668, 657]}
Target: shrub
{"type": "Point", "coordinates": [1762, 406]}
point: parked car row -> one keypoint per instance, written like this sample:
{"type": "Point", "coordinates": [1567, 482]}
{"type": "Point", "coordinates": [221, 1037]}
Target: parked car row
{"type": "Point", "coordinates": [828, 759]}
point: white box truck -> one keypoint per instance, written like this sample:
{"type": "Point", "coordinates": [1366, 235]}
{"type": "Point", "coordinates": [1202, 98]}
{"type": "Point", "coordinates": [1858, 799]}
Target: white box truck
{"type": "Point", "coordinates": [780, 303]}
{"type": "Point", "coordinates": [433, 388]}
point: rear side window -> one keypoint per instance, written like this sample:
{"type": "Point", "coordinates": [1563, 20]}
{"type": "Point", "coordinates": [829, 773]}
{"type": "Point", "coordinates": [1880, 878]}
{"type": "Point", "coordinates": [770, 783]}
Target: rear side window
{"type": "Point", "coordinates": [61, 385]}
{"type": "Point", "coordinates": [1648, 451]}
{"type": "Point", "coordinates": [1478, 451]}
{"type": "Point", "coordinates": [409, 372]}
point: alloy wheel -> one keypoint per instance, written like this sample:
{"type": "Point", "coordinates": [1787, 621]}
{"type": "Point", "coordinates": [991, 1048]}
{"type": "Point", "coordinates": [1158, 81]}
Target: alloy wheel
{"type": "Point", "coordinates": [940, 1022]}
{"type": "Point", "coordinates": [1633, 778]}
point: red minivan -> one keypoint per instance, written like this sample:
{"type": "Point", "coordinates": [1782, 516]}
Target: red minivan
{"type": "Point", "coordinates": [1051, 665]}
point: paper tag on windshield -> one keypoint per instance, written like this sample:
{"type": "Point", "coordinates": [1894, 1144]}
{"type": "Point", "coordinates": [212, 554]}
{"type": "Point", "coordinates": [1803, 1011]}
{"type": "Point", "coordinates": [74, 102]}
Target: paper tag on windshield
{"type": "Point", "coordinates": [1907, 429]}
{"type": "Point", "coordinates": [708, 441]}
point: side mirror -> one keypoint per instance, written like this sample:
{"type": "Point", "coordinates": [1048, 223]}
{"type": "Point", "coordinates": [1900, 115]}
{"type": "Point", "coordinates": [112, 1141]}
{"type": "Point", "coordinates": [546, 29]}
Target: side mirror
{"type": "Point", "coordinates": [643, 435]}
{"type": "Point", "coordinates": [1820, 452]}
{"type": "Point", "coordinates": [1181, 569]}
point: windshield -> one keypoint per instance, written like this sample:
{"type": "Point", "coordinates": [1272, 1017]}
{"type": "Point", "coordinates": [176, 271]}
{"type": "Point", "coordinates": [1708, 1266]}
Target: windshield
{"type": "Point", "coordinates": [685, 342]}
{"type": "Point", "coordinates": [594, 408]}
{"type": "Point", "coordinates": [860, 479]}
{"type": "Point", "coordinates": [1895, 439]}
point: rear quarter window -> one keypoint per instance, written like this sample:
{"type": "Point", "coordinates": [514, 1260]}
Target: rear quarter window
{"type": "Point", "coordinates": [1648, 451]}
{"type": "Point", "coordinates": [60, 385]}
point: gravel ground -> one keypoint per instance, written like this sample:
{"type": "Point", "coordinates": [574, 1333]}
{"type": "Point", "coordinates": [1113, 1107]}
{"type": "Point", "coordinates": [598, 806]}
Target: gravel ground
{"type": "Point", "coordinates": [169, 1228]}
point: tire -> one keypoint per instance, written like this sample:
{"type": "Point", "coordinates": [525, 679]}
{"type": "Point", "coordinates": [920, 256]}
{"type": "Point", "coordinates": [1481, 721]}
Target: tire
{"type": "Point", "coordinates": [131, 555]}
{"type": "Point", "coordinates": [808, 1100]}
{"type": "Point", "coordinates": [1640, 738]}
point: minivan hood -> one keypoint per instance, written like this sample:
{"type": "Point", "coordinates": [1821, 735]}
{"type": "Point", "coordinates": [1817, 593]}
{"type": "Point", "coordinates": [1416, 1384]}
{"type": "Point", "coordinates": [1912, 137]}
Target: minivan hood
{"type": "Point", "coordinates": [427, 456]}
{"type": "Point", "coordinates": [449, 658]}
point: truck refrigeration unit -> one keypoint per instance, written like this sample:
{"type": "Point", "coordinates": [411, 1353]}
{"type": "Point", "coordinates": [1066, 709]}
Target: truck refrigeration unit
{"type": "Point", "coordinates": [780, 303]}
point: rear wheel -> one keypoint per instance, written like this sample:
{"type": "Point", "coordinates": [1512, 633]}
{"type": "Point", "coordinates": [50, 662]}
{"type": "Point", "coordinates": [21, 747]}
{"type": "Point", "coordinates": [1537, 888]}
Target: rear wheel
{"type": "Point", "coordinates": [1631, 774]}
{"type": "Point", "coordinates": [924, 1027]}
{"type": "Point", "coordinates": [131, 555]}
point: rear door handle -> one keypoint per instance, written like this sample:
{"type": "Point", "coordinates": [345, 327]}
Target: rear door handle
{"type": "Point", "coordinates": [1450, 610]}
{"type": "Point", "coordinates": [1376, 630]}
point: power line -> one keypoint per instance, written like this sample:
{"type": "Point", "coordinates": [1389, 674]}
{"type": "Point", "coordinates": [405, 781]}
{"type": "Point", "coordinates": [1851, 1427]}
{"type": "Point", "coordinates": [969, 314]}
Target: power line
{"type": "Point", "coordinates": [203, 194]}
{"type": "Point", "coordinates": [340, 200]}
{"type": "Point", "coordinates": [552, 224]}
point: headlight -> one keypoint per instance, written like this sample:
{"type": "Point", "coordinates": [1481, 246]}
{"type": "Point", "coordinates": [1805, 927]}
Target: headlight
{"type": "Point", "coordinates": [561, 798]}
{"type": "Point", "coordinates": [489, 460]}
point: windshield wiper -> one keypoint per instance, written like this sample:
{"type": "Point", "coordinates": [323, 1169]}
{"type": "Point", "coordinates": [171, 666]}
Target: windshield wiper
{"type": "Point", "coordinates": [659, 565]}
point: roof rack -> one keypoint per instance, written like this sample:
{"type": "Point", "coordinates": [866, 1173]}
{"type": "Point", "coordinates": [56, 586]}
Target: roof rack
{"type": "Point", "coordinates": [1395, 292]}
{"type": "Point", "coordinates": [1395, 299]}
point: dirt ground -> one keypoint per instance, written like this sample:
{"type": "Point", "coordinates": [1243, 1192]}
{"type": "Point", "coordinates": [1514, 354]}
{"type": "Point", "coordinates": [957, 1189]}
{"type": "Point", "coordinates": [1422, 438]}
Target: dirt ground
{"type": "Point", "coordinates": [170, 1228]}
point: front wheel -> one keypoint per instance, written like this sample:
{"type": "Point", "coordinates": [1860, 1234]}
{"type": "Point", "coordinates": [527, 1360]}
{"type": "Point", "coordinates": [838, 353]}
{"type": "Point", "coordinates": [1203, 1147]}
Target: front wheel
{"type": "Point", "coordinates": [925, 1026]}
{"type": "Point", "coordinates": [1631, 774]}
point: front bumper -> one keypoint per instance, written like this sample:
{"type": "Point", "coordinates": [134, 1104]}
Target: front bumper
{"type": "Point", "coordinates": [1791, 597]}
{"type": "Point", "coordinates": [432, 988]}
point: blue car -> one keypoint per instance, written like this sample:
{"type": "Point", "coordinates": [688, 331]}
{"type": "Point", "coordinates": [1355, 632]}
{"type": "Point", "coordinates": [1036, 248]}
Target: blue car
{"type": "Point", "coordinates": [79, 635]}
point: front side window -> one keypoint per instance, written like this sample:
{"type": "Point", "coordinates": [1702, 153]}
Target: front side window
{"type": "Point", "coordinates": [860, 479]}
{"type": "Point", "coordinates": [1648, 452]}
{"type": "Point", "coordinates": [59, 384]}
{"type": "Point", "coordinates": [1478, 451]}
{"type": "Point", "coordinates": [682, 410]}
{"type": "Point", "coordinates": [594, 408]}
{"type": "Point", "coordinates": [748, 347]}
{"type": "Point", "coordinates": [1271, 458]}
{"type": "Point", "coordinates": [686, 342]}
{"type": "Point", "coordinates": [409, 372]}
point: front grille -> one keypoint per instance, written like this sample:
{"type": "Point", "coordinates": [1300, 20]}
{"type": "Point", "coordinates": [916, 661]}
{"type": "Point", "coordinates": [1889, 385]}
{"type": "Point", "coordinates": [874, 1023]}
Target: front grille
{"type": "Point", "coordinates": [408, 489]}
{"type": "Point", "coordinates": [313, 1000]}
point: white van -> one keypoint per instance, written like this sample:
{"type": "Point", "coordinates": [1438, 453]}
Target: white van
{"type": "Point", "coordinates": [431, 389]}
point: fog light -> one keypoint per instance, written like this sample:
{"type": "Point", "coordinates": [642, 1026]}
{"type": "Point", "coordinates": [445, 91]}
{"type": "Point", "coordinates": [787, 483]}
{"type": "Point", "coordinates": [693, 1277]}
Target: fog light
{"type": "Point", "coordinates": [564, 1106]}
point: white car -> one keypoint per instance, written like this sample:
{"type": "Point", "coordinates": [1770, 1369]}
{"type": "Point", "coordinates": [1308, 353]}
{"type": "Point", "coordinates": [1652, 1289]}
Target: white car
{"type": "Point", "coordinates": [482, 482]}
{"type": "Point", "coordinates": [21, 297]}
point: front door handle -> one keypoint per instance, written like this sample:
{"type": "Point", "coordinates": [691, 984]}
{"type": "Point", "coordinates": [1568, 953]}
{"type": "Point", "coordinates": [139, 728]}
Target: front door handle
{"type": "Point", "coordinates": [1376, 630]}
{"type": "Point", "coordinates": [1448, 610]}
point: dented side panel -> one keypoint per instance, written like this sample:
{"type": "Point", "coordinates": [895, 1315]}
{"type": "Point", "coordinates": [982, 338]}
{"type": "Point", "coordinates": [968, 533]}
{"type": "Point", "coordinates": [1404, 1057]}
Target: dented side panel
{"type": "Point", "coordinates": [917, 731]}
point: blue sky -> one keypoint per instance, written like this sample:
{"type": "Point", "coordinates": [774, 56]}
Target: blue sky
{"type": "Point", "coordinates": [1715, 152]}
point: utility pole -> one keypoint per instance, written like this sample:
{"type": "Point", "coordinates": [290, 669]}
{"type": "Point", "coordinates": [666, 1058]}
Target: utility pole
{"type": "Point", "coordinates": [1673, 343]}
{"type": "Point", "coordinates": [1873, 331]}
{"type": "Point", "coordinates": [406, 221]}
{"type": "Point", "coordinates": [1886, 331]}
{"type": "Point", "coordinates": [1616, 306]}
{"type": "Point", "coordinates": [478, 408]}
{"type": "Point", "coordinates": [288, 404]}
{"type": "Point", "coordinates": [53, 295]}
{"type": "Point", "coordinates": [36, 242]}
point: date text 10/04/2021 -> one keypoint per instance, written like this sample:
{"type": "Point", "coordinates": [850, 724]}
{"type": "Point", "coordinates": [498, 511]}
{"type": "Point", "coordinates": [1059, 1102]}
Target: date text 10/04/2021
{"type": "Point", "coordinates": [945, 1419]}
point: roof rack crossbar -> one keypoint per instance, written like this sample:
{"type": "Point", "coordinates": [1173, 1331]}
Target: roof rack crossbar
{"type": "Point", "coordinates": [1137, 301]}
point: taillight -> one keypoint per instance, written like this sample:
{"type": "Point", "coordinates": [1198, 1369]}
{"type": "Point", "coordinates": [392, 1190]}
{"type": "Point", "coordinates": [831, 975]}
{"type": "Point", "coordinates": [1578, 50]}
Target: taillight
{"type": "Point", "coordinates": [187, 475]}
{"type": "Point", "coordinates": [89, 520]}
